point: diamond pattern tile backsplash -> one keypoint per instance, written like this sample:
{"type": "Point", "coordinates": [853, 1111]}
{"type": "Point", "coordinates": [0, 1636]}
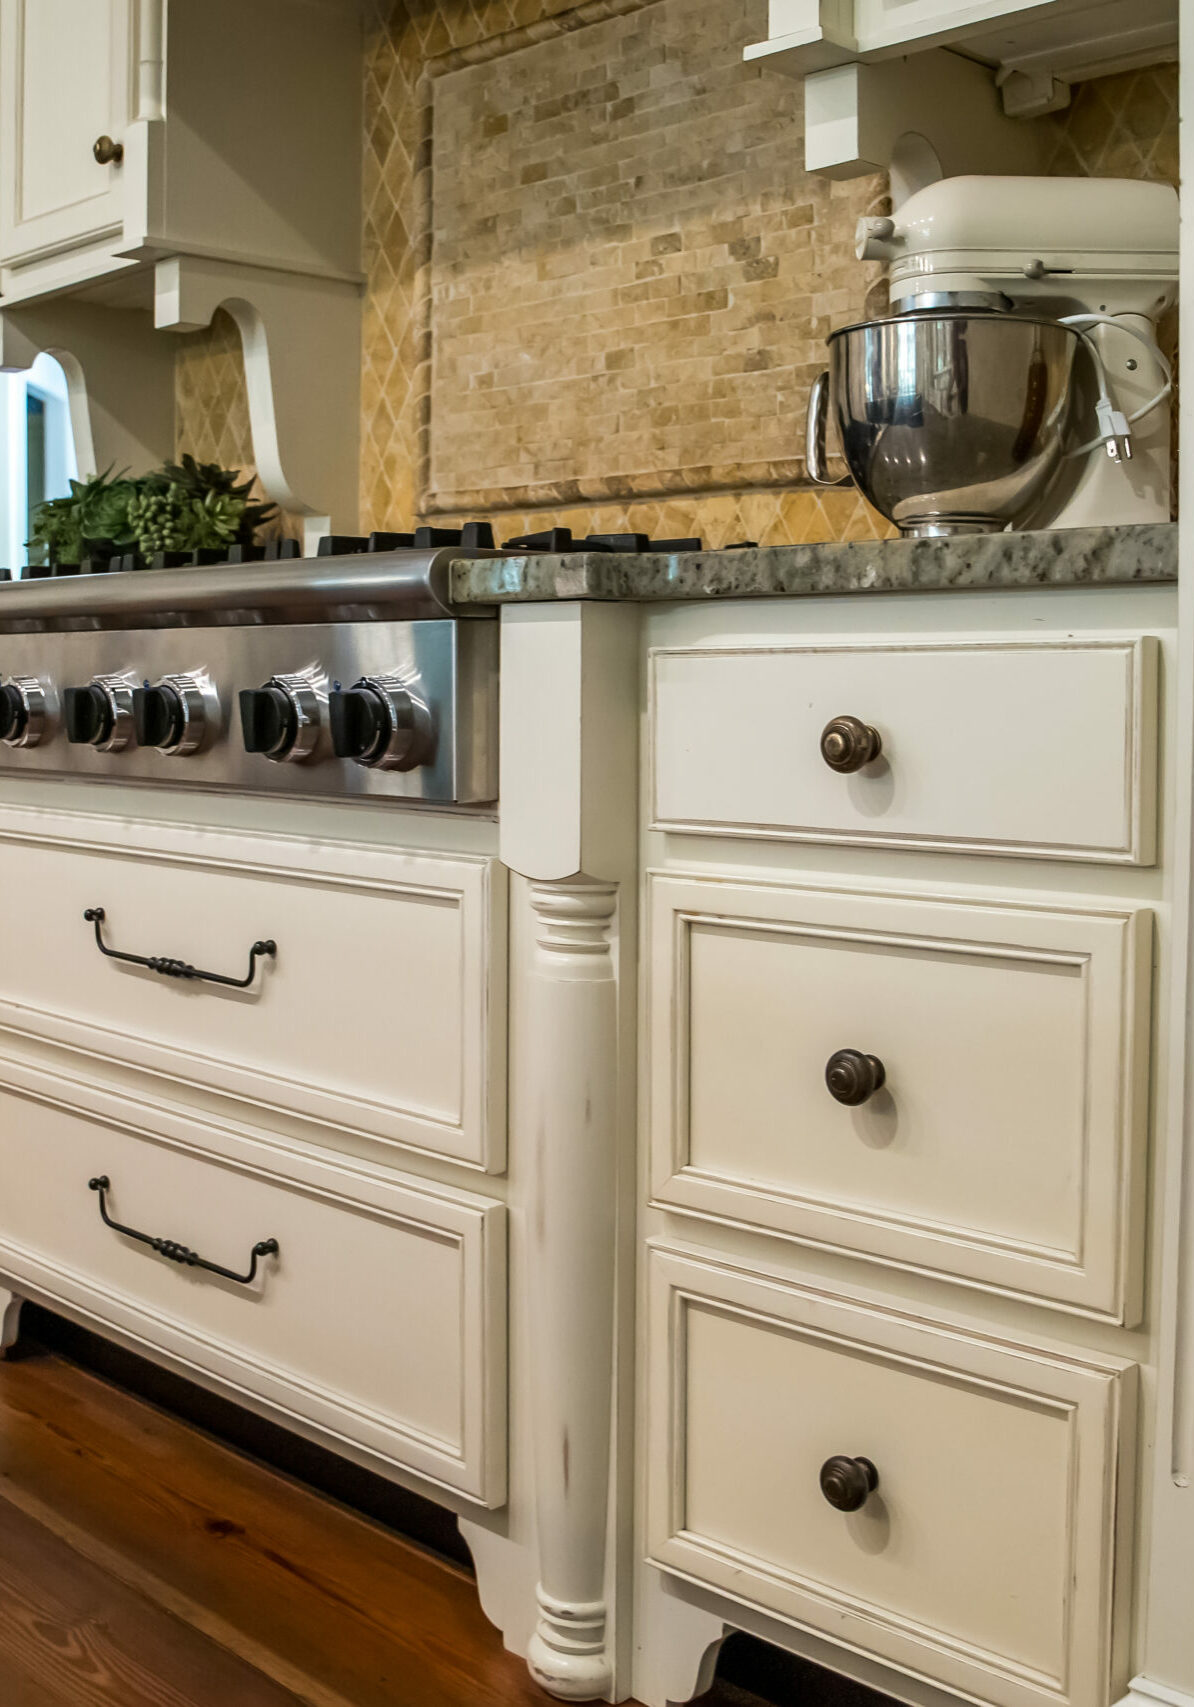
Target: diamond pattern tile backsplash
{"type": "Point", "coordinates": [598, 278]}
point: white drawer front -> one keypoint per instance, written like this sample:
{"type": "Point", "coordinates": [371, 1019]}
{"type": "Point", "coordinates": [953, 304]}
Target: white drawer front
{"type": "Point", "coordinates": [985, 1558]}
{"type": "Point", "coordinates": [1005, 1145]}
{"type": "Point", "coordinates": [1040, 747]}
{"type": "Point", "coordinates": [380, 1323]}
{"type": "Point", "coordinates": [382, 1011]}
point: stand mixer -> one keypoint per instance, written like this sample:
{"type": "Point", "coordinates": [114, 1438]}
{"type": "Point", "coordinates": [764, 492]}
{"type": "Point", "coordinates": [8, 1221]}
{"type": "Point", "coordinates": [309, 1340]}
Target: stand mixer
{"type": "Point", "coordinates": [1018, 380]}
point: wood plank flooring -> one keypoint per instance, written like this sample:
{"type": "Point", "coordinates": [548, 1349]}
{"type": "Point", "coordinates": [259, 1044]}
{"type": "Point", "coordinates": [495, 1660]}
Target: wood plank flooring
{"type": "Point", "coordinates": [145, 1563]}
{"type": "Point", "coordinates": [141, 1561]}
{"type": "Point", "coordinates": [72, 1634]}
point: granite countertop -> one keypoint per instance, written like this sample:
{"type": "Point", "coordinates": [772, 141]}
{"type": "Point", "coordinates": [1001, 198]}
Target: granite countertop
{"type": "Point", "coordinates": [1058, 557]}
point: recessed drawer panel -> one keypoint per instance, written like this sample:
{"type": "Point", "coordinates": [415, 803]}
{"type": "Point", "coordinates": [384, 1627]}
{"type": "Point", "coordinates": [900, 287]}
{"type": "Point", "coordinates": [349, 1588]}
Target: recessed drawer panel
{"type": "Point", "coordinates": [381, 1009]}
{"type": "Point", "coordinates": [974, 1546]}
{"type": "Point", "coordinates": [1041, 747]}
{"type": "Point", "coordinates": [379, 1324]}
{"type": "Point", "coordinates": [989, 1060]}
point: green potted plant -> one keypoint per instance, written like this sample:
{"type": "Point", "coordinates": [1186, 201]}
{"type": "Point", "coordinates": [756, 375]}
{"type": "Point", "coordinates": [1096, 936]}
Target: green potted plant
{"type": "Point", "coordinates": [182, 506]}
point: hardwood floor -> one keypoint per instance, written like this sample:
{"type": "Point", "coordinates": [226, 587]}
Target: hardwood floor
{"type": "Point", "coordinates": [141, 1561]}
{"type": "Point", "coordinates": [72, 1634]}
{"type": "Point", "coordinates": [146, 1563]}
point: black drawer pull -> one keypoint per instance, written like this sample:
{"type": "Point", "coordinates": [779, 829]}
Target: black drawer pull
{"type": "Point", "coordinates": [848, 1483]}
{"type": "Point", "coordinates": [172, 1250]}
{"type": "Point", "coordinates": [853, 1077]}
{"type": "Point", "coordinates": [168, 968]}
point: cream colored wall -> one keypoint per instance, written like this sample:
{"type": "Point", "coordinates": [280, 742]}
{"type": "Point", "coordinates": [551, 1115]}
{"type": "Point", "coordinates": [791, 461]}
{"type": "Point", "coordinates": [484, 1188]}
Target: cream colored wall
{"type": "Point", "coordinates": [598, 278]}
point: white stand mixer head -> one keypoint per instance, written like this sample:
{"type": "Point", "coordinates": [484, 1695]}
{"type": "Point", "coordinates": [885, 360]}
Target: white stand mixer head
{"type": "Point", "coordinates": [1054, 247]}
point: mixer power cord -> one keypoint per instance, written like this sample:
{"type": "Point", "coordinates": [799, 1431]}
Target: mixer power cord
{"type": "Point", "coordinates": [1115, 428]}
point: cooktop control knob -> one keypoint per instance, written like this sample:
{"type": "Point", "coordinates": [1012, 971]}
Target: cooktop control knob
{"type": "Point", "coordinates": [380, 722]}
{"type": "Point", "coordinates": [284, 719]}
{"type": "Point", "coordinates": [177, 714]}
{"type": "Point", "coordinates": [24, 711]}
{"type": "Point", "coordinates": [101, 714]}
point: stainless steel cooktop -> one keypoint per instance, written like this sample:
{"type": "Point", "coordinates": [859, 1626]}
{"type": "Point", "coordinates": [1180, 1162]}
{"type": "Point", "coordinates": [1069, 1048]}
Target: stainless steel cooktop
{"type": "Point", "coordinates": [346, 675]}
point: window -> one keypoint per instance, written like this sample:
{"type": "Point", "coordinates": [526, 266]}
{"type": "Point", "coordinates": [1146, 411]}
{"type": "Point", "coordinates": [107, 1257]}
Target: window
{"type": "Point", "coordinates": [37, 452]}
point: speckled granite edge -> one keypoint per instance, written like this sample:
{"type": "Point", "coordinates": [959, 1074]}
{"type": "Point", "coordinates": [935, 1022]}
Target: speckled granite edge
{"type": "Point", "coordinates": [1062, 557]}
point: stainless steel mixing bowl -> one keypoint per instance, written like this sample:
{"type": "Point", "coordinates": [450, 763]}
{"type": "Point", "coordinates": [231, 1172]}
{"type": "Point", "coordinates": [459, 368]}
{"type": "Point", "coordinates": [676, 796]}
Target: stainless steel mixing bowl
{"type": "Point", "coordinates": [950, 421]}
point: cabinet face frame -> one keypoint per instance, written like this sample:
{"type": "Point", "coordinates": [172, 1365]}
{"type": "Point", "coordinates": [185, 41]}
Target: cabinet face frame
{"type": "Point", "coordinates": [474, 884]}
{"type": "Point", "coordinates": [1102, 1277]}
{"type": "Point", "coordinates": [472, 1226]}
{"type": "Point", "coordinates": [1136, 840]}
{"type": "Point", "coordinates": [1098, 1394]}
{"type": "Point", "coordinates": [77, 222]}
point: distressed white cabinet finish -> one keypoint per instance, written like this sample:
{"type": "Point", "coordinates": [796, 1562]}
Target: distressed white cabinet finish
{"type": "Point", "coordinates": [66, 79]}
{"type": "Point", "coordinates": [381, 1013]}
{"type": "Point", "coordinates": [950, 1277]}
{"type": "Point", "coordinates": [378, 1327]}
{"type": "Point", "coordinates": [1007, 1143]}
{"type": "Point", "coordinates": [1042, 747]}
{"type": "Point", "coordinates": [984, 1559]}
{"type": "Point", "coordinates": [717, 1276]}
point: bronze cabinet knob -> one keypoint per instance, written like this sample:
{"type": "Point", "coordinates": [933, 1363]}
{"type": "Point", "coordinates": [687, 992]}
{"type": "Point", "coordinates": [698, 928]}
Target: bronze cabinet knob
{"type": "Point", "coordinates": [107, 152]}
{"type": "Point", "coordinates": [847, 744]}
{"type": "Point", "coordinates": [852, 1077]}
{"type": "Point", "coordinates": [848, 1483]}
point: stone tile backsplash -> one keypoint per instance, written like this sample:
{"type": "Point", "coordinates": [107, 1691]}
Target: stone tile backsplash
{"type": "Point", "coordinates": [599, 279]}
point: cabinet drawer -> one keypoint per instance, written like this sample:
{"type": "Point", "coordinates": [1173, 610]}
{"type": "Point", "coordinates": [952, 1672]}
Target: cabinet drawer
{"type": "Point", "coordinates": [1005, 1144]}
{"type": "Point", "coordinates": [1039, 747]}
{"type": "Point", "coordinates": [382, 1010]}
{"type": "Point", "coordinates": [378, 1327]}
{"type": "Point", "coordinates": [984, 1560]}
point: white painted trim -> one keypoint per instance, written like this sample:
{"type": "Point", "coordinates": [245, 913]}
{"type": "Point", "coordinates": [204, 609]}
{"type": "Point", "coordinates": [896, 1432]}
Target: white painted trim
{"type": "Point", "coordinates": [1143, 1692]}
{"type": "Point", "coordinates": [301, 337]}
{"type": "Point", "coordinates": [10, 1320]}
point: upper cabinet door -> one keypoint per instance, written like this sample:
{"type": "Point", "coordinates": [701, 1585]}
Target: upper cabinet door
{"type": "Point", "coordinates": [64, 82]}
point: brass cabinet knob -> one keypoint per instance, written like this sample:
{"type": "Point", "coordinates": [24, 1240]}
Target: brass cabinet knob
{"type": "Point", "coordinates": [847, 744]}
{"type": "Point", "coordinates": [848, 1483]}
{"type": "Point", "coordinates": [852, 1077]}
{"type": "Point", "coordinates": [107, 152]}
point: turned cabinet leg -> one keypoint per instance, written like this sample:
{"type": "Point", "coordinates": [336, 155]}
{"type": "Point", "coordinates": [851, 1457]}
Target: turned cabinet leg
{"type": "Point", "coordinates": [572, 1015]}
{"type": "Point", "coordinates": [10, 1320]}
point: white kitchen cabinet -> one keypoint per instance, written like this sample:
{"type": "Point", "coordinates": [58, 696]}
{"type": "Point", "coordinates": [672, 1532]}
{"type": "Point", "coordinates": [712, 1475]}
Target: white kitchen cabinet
{"type": "Point", "coordinates": [421, 1071]}
{"type": "Point", "coordinates": [65, 83]}
{"type": "Point", "coordinates": [983, 1558]}
{"type": "Point", "coordinates": [805, 1251]}
{"type": "Point", "coordinates": [1070, 39]}
{"type": "Point", "coordinates": [1023, 1181]}
{"type": "Point", "coordinates": [738, 733]}
{"type": "Point", "coordinates": [159, 160]}
{"type": "Point", "coordinates": [956, 74]}
{"type": "Point", "coordinates": [208, 157]}
{"type": "Point", "coordinates": [376, 1325]}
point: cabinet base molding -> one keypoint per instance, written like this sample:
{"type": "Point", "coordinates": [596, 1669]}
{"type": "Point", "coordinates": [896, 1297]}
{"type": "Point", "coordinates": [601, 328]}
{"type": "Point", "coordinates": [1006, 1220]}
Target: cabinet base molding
{"type": "Point", "coordinates": [505, 1579]}
{"type": "Point", "coordinates": [1143, 1692]}
{"type": "Point", "coordinates": [10, 1320]}
{"type": "Point", "coordinates": [677, 1651]}
{"type": "Point", "coordinates": [678, 1642]}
